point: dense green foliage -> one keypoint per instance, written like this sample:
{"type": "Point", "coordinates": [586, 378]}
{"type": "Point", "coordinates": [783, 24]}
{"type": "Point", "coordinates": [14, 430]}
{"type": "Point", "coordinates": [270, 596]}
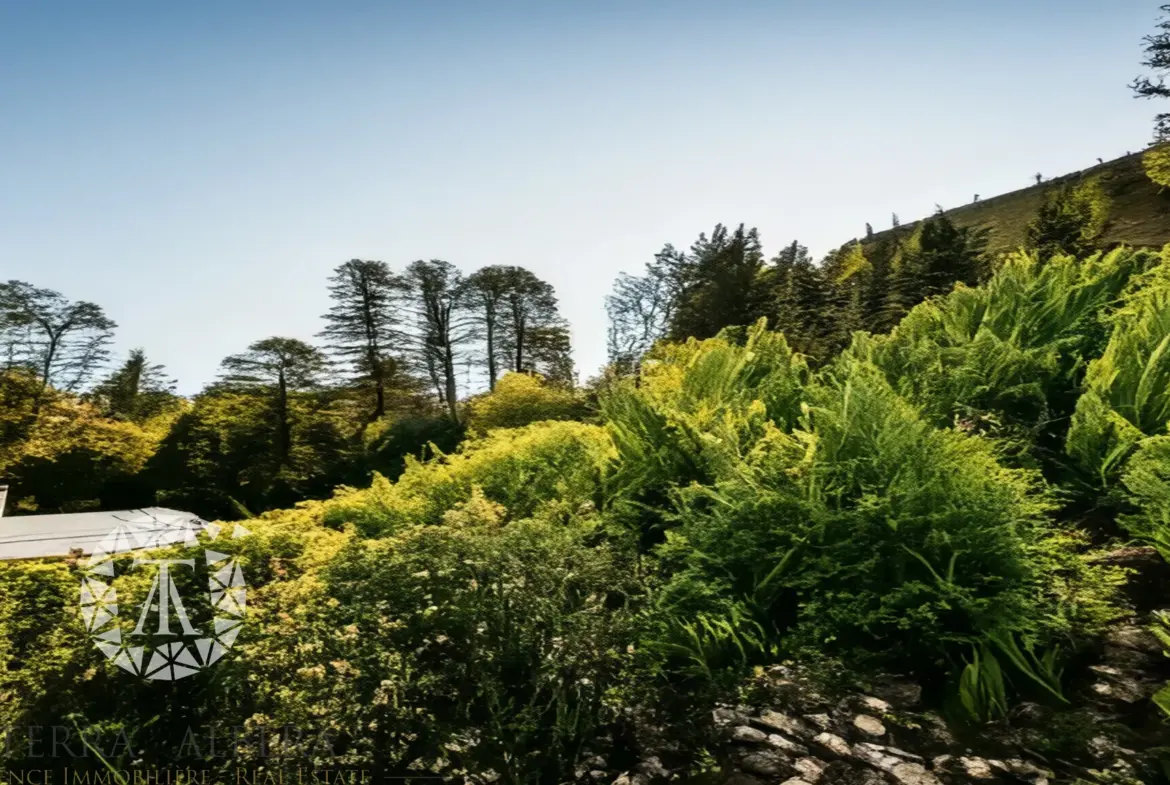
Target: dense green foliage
{"type": "Point", "coordinates": [1070, 220]}
{"type": "Point", "coordinates": [908, 505]}
{"type": "Point", "coordinates": [724, 281]}
{"type": "Point", "coordinates": [287, 420]}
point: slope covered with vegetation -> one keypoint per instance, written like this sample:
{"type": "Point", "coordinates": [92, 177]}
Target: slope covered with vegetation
{"type": "Point", "coordinates": [1138, 214]}
{"type": "Point", "coordinates": [913, 505]}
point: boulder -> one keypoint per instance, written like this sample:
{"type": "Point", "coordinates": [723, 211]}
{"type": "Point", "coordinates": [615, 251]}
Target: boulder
{"type": "Point", "coordinates": [810, 769]}
{"type": "Point", "coordinates": [745, 734]}
{"type": "Point", "coordinates": [913, 774]}
{"type": "Point", "coordinates": [786, 745]}
{"type": "Point", "coordinates": [766, 763]}
{"type": "Point", "coordinates": [790, 726]}
{"type": "Point", "coordinates": [833, 745]}
{"type": "Point", "coordinates": [869, 726]}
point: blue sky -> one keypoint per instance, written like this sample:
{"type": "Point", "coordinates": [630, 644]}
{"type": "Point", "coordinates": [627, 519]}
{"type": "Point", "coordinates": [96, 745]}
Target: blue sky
{"type": "Point", "coordinates": [199, 168]}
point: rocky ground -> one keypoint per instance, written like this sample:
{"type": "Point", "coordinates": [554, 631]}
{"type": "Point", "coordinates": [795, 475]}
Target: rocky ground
{"type": "Point", "coordinates": [789, 733]}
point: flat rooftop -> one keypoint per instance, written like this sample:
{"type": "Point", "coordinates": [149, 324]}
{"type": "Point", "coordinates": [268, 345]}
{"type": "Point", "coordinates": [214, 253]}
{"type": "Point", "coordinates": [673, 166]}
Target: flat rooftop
{"type": "Point", "coordinates": [56, 536]}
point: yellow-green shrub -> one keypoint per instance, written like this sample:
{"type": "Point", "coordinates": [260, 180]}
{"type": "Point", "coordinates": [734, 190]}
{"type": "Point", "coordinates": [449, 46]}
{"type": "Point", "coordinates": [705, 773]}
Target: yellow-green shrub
{"type": "Point", "coordinates": [553, 465]}
{"type": "Point", "coordinates": [520, 399]}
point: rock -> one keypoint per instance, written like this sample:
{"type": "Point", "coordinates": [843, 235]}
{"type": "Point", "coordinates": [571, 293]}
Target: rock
{"type": "Point", "coordinates": [791, 726]}
{"type": "Point", "coordinates": [596, 762]}
{"type": "Point", "coordinates": [810, 769]}
{"type": "Point", "coordinates": [868, 725]}
{"type": "Point", "coordinates": [833, 744]}
{"type": "Point", "coordinates": [875, 704]}
{"type": "Point", "coordinates": [942, 762]}
{"type": "Point", "coordinates": [1134, 638]}
{"type": "Point", "coordinates": [635, 778]}
{"type": "Point", "coordinates": [748, 735]}
{"type": "Point", "coordinates": [795, 781]}
{"type": "Point", "coordinates": [1118, 687]}
{"type": "Point", "coordinates": [884, 758]}
{"type": "Point", "coordinates": [935, 733]}
{"type": "Point", "coordinates": [899, 693]}
{"type": "Point", "coordinates": [652, 767]}
{"type": "Point", "coordinates": [1026, 771]}
{"type": "Point", "coordinates": [766, 763]}
{"type": "Point", "coordinates": [910, 756]}
{"type": "Point", "coordinates": [597, 775]}
{"type": "Point", "coordinates": [739, 778]}
{"type": "Point", "coordinates": [913, 774]}
{"type": "Point", "coordinates": [1029, 715]}
{"type": "Point", "coordinates": [786, 745]}
{"type": "Point", "coordinates": [840, 772]}
{"type": "Point", "coordinates": [976, 768]}
{"type": "Point", "coordinates": [822, 721]}
{"type": "Point", "coordinates": [1149, 583]}
{"type": "Point", "coordinates": [1105, 670]}
{"type": "Point", "coordinates": [876, 756]}
{"type": "Point", "coordinates": [724, 716]}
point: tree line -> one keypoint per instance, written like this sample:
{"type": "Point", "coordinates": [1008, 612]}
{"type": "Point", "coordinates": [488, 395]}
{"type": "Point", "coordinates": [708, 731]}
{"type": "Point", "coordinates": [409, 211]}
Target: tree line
{"type": "Point", "coordinates": [285, 419]}
{"type": "Point", "coordinates": [725, 280]}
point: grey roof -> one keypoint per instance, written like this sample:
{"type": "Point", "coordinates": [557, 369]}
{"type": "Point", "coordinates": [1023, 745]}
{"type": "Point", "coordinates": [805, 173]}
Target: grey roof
{"type": "Point", "coordinates": [49, 536]}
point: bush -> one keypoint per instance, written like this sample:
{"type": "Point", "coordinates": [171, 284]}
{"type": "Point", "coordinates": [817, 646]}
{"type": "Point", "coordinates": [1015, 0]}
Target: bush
{"type": "Point", "coordinates": [1008, 357]}
{"type": "Point", "coordinates": [1156, 163]}
{"type": "Point", "coordinates": [1070, 220]}
{"type": "Point", "coordinates": [1127, 389]}
{"type": "Point", "coordinates": [868, 532]}
{"type": "Point", "coordinates": [473, 644]}
{"type": "Point", "coordinates": [694, 414]}
{"type": "Point", "coordinates": [390, 442]}
{"type": "Point", "coordinates": [520, 399]}
{"type": "Point", "coordinates": [545, 466]}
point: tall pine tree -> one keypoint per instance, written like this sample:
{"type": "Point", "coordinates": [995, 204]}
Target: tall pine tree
{"type": "Point", "coordinates": [135, 391]}
{"type": "Point", "coordinates": [364, 330]}
{"type": "Point", "coordinates": [443, 330]}
{"type": "Point", "coordinates": [719, 283]}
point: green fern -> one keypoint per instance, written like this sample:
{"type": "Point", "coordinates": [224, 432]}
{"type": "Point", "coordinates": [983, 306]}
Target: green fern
{"type": "Point", "coordinates": [1161, 629]}
{"type": "Point", "coordinates": [1127, 389]}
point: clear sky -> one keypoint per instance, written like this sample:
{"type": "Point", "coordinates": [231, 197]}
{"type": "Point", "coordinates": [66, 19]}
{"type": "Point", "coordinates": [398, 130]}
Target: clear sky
{"type": "Point", "coordinates": [198, 168]}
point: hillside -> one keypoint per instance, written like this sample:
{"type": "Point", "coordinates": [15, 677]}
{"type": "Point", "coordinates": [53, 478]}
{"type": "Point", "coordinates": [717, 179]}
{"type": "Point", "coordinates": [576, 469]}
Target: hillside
{"type": "Point", "coordinates": [1139, 214]}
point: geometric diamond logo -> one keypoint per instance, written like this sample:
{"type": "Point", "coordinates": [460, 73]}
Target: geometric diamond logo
{"type": "Point", "coordinates": [162, 642]}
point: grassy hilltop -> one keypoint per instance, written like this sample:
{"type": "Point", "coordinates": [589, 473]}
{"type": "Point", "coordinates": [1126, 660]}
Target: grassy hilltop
{"type": "Point", "coordinates": [1139, 213]}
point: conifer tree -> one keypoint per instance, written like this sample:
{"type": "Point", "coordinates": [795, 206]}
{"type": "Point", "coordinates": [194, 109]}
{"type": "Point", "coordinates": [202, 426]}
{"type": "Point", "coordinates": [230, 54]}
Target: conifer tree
{"type": "Point", "coordinates": [443, 330]}
{"type": "Point", "coordinates": [277, 368]}
{"type": "Point", "coordinates": [1070, 221]}
{"type": "Point", "coordinates": [718, 283]}
{"type": "Point", "coordinates": [1157, 50]}
{"type": "Point", "coordinates": [364, 326]}
{"type": "Point", "coordinates": [805, 302]}
{"type": "Point", "coordinates": [931, 260]}
{"type": "Point", "coordinates": [902, 285]}
{"type": "Point", "coordinates": [135, 391]}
